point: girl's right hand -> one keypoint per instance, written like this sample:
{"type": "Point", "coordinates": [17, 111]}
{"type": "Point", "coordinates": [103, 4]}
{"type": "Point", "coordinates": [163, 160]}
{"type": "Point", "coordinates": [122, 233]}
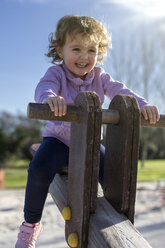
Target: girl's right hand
{"type": "Point", "coordinates": [57, 105]}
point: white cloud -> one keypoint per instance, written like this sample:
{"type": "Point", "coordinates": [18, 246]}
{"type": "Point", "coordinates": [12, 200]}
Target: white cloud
{"type": "Point", "coordinates": [150, 8]}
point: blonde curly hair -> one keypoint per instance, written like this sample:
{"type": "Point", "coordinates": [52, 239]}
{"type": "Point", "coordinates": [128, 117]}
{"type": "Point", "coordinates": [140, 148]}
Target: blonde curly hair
{"type": "Point", "coordinates": [84, 25]}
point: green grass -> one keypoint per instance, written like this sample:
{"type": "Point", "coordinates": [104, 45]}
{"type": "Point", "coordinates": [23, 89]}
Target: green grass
{"type": "Point", "coordinates": [154, 170]}
{"type": "Point", "coordinates": [17, 163]}
{"type": "Point", "coordinates": [15, 178]}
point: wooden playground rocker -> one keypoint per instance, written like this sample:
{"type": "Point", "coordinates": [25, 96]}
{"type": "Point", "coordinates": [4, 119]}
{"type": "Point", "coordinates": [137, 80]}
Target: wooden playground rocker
{"type": "Point", "coordinates": [97, 218]}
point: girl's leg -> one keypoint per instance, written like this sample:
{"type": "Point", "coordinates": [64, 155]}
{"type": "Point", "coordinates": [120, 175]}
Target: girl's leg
{"type": "Point", "coordinates": [51, 156]}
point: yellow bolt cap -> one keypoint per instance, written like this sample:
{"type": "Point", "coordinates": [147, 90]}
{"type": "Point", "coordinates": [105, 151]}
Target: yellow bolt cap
{"type": "Point", "coordinates": [73, 240]}
{"type": "Point", "coordinates": [66, 213]}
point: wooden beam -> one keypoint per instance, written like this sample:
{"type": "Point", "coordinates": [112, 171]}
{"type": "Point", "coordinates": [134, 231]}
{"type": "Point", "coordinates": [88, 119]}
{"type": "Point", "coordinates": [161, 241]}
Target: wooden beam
{"type": "Point", "coordinates": [160, 123]}
{"type": "Point", "coordinates": [43, 112]}
{"type": "Point", "coordinates": [74, 114]}
{"type": "Point", "coordinates": [107, 227]}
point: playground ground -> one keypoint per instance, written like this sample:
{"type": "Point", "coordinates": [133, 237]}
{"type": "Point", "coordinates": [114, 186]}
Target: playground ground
{"type": "Point", "coordinates": [149, 218]}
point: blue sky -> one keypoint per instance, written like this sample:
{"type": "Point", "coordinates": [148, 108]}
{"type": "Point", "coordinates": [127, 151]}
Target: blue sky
{"type": "Point", "coordinates": [24, 29]}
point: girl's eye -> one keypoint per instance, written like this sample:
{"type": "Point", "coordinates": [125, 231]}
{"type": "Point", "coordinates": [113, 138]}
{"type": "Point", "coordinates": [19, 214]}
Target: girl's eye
{"type": "Point", "coordinates": [76, 49]}
{"type": "Point", "coordinates": [92, 51]}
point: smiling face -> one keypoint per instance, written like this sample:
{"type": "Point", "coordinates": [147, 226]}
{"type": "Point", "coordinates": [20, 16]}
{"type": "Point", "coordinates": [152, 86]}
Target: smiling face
{"type": "Point", "coordinates": [79, 55]}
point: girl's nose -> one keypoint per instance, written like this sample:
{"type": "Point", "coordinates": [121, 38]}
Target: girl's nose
{"type": "Point", "coordinates": [84, 54]}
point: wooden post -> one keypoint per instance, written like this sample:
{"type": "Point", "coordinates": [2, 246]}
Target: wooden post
{"type": "Point", "coordinates": [120, 170]}
{"type": "Point", "coordinates": [83, 167]}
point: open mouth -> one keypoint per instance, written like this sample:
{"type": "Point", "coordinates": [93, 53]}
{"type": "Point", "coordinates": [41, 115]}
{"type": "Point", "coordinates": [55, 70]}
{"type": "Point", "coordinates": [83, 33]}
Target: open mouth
{"type": "Point", "coordinates": [81, 65]}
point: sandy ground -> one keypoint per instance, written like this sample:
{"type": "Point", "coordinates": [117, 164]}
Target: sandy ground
{"type": "Point", "coordinates": [150, 212]}
{"type": "Point", "coordinates": [149, 218]}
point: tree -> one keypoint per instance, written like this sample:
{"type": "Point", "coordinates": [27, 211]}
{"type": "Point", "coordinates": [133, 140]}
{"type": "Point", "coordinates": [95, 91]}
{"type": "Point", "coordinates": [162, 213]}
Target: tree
{"type": "Point", "coordinates": [17, 133]}
{"type": "Point", "coordinates": [138, 59]}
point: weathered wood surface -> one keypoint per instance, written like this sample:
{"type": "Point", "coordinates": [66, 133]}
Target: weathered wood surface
{"type": "Point", "coordinates": [121, 157]}
{"type": "Point", "coordinates": [107, 227]}
{"type": "Point", "coordinates": [83, 166]}
{"type": "Point", "coordinates": [42, 112]}
{"type": "Point", "coordinates": [160, 123]}
{"type": "Point", "coordinates": [34, 148]}
{"type": "Point", "coordinates": [74, 114]}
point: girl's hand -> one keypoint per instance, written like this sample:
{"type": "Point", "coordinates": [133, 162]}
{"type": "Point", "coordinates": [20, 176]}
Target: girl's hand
{"type": "Point", "coordinates": [57, 105]}
{"type": "Point", "coordinates": [150, 113]}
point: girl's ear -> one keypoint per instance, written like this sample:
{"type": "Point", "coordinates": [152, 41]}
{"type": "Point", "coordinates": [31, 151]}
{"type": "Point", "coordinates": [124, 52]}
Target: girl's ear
{"type": "Point", "coordinates": [59, 51]}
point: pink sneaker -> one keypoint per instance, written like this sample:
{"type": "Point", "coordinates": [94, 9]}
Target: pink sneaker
{"type": "Point", "coordinates": [28, 235]}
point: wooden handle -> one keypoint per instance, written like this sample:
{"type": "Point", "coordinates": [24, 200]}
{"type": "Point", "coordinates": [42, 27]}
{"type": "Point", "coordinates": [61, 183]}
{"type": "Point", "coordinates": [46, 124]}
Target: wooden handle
{"type": "Point", "coordinates": [160, 123]}
{"type": "Point", "coordinates": [42, 111]}
{"type": "Point", "coordinates": [74, 114]}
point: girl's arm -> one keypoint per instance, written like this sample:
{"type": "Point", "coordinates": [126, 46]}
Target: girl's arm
{"type": "Point", "coordinates": [47, 91]}
{"type": "Point", "coordinates": [112, 88]}
{"type": "Point", "coordinates": [49, 85]}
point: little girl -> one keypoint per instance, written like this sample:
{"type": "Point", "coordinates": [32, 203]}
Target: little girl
{"type": "Point", "coordinates": [78, 45]}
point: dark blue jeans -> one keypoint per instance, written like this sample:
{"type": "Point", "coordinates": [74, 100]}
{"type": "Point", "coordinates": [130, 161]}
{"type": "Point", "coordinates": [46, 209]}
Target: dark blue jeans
{"type": "Point", "coordinates": [51, 156]}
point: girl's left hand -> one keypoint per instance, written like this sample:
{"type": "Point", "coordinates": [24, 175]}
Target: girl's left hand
{"type": "Point", "coordinates": [150, 113]}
